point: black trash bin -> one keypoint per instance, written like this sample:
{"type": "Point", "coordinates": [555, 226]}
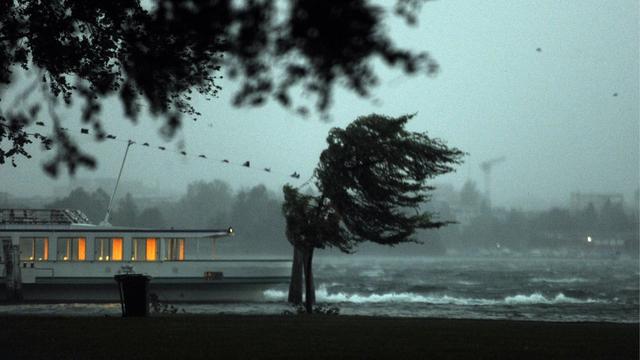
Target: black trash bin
{"type": "Point", "coordinates": [134, 294]}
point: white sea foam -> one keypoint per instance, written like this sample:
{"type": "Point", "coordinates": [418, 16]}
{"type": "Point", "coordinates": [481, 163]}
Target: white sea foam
{"type": "Point", "coordinates": [467, 283]}
{"type": "Point", "coordinates": [274, 295]}
{"type": "Point", "coordinates": [537, 298]}
{"type": "Point", "coordinates": [560, 280]}
{"type": "Point", "coordinates": [372, 273]}
{"type": "Point", "coordinates": [322, 295]}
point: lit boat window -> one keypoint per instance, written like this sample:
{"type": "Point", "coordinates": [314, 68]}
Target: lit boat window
{"type": "Point", "coordinates": [27, 248]}
{"type": "Point", "coordinates": [102, 249]}
{"type": "Point", "coordinates": [34, 248]}
{"type": "Point", "coordinates": [82, 249]}
{"type": "Point", "coordinates": [137, 250]}
{"type": "Point", "coordinates": [71, 249]}
{"type": "Point", "coordinates": [152, 249]}
{"type": "Point", "coordinates": [109, 249]}
{"type": "Point", "coordinates": [174, 249]}
{"type": "Point", "coordinates": [116, 249]}
{"type": "Point", "coordinates": [45, 249]}
{"type": "Point", "coordinates": [145, 249]}
{"type": "Point", "coordinates": [64, 249]}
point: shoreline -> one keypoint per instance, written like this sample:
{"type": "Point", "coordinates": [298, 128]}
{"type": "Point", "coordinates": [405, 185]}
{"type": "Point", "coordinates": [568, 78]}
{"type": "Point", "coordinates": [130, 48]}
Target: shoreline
{"type": "Point", "coordinates": [224, 308]}
{"type": "Point", "coordinates": [317, 336]}
{"type": "Point", "coordinates": [178, 313]}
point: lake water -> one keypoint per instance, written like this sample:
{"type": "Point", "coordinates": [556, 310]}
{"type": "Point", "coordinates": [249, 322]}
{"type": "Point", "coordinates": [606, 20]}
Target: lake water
{"type": "Point", "coordinates": [519, 289]}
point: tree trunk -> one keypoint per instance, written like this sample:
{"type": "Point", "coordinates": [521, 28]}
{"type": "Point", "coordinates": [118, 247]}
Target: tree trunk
{"type": "Point", "coordinates": [295, 285]}
{"type": "Point", "coordinates": [310, 290]}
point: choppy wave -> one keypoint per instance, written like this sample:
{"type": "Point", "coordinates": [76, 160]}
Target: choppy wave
{"type": "Point", "coordinates": [537, 298]}
{"type": "Point", "coordinates": [322, 295]}
{"type": "Point", "coordinates": [559, 280]}
{"type": "Point", "coordinates": [467, 283]}
{"type": "Point", "coordinates": [372, 273]}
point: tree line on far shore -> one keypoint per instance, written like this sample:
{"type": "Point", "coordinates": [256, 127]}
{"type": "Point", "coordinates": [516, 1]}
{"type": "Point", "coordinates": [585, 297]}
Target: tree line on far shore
{"type": "Point", "coordinates": [519, 230]}
{"type": "Point", "coordinates": [256, 215]}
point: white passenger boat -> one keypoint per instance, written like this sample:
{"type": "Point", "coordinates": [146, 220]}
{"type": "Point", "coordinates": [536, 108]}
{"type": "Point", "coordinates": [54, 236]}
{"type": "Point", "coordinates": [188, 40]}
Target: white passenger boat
{"type": "Point", "coordinates": [58, 256]}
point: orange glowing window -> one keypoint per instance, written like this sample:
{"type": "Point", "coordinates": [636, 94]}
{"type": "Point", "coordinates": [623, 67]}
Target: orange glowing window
{"type": "Point", "coordinates": [82, 249]}
{"type": "Point", "coordinates": [181, 249]}
{"type": "Point", "coordinates": [151, 249]}
{"type": "Point", "coordinates": [46, 249]}
{"type": "Point", "coordinates": [116, 249]}
{"type": "Point", "coordinates": [175, 250]}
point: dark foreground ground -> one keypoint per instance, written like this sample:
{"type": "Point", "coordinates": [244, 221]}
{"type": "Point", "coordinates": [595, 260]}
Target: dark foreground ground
{"type": "Point", "coordinates": [338, 337]}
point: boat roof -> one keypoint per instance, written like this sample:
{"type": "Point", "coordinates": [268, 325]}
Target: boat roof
{"type": "Point", "coordinates": [112, 231]}
{"type": "Point", "coordinates": [41, 222]}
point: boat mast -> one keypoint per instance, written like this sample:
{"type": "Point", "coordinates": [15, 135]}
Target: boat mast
{"type": "Point", "coordinates": [105, 222]}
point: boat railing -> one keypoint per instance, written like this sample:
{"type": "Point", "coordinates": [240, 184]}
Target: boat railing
{"type": "Point", "coordinates": [43, 216]}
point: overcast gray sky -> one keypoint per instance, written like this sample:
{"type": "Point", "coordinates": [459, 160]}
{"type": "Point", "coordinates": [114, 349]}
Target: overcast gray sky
{"type": "Point", "coordinates": [552, 113]}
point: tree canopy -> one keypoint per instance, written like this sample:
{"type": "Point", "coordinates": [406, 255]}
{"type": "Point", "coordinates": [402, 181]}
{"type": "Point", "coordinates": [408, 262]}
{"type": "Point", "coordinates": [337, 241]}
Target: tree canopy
{"type": "Point", "coordinates": [372, 183]}
{"type": "Point", "coordinates": [374, 174]}
{"type": "Point", "coordinates": [165, 52]}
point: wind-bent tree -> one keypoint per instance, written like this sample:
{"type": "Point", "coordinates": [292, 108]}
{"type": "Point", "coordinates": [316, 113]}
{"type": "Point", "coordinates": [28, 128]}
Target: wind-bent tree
{"type": "Point", "coordinates": [372, 181]}
{"type": "Point", "coordinates": [164, 52]}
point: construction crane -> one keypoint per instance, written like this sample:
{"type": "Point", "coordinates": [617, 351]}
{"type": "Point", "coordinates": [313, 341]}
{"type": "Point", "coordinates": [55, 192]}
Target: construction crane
{"type": "Point", "coordinates": [486, 167]}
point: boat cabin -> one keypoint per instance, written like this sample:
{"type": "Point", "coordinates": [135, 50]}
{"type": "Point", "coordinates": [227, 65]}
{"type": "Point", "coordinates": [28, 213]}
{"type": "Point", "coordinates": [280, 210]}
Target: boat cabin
{"type": "Point", "coordinates": [56, 235]}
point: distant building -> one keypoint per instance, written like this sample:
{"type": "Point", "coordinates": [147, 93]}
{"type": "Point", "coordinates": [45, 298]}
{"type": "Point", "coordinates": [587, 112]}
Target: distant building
{"type": "Point", "coordinates": [580, 201]}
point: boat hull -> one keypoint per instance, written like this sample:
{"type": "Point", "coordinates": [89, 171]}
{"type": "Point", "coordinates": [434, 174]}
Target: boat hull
{"type": "Point", "coordinates": [167, 290]}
